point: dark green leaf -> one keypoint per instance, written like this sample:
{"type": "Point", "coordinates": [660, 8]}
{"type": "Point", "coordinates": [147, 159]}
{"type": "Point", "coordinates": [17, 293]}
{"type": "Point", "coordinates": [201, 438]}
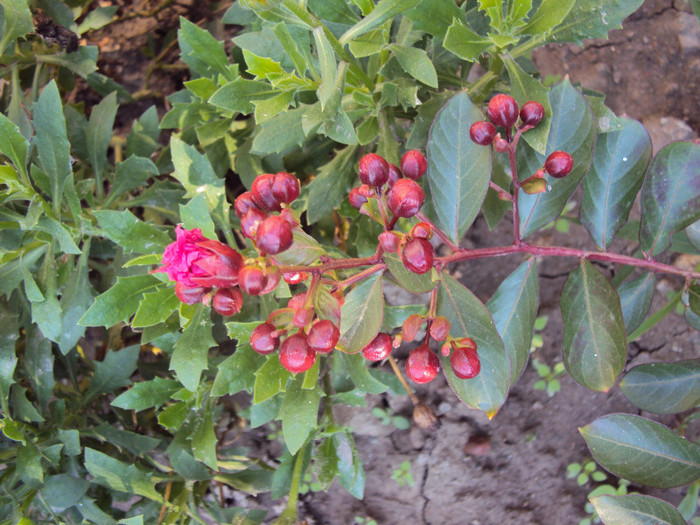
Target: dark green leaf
{"type": "Point", "coordinates": [120, 301]}
{"type": "Point", "coordinates": [458, 169]}
{"type": "Point", "coordinates": [204, 439]}
{"type": "Point", "coordinates": [350, 472]}
{"type": "Point", "coordinates": [636, 509]}
{"type": "Point", "coordinates": [304, 250]}
{"type": "Point", "coordinates": [549, 15]}
{"type": "Point", "coordinates": [416, 63]}
{"type": "Point", "coordinates": [63, 490]}
{"type": "Point", "coordinates": [514, 309]}
{"type": "Point", "coordinates": [134, 443]}
{"type": "Point", "coordinates": [635, 299]}
{"type": "Point", "coordinates": [572, 130]}
{"type": "Point", "coordinates": [592, 19]}
{"type": "Point", "coordinates": [412, 282]}
{"type": "Point", "coordinates": [270, 379]}
{"type": "Point", "coordinates": [131, 174]}
{"type": "Point", "coordinates": [117, 475]}
{"type": "Point", "coordinates": [58, 232]}
{"type": "Point", "coordinates": [299, 413]}
{"type": "Point", "coordinates": [610, 188]}
{"type": "Point", "coordinates": [470, 318]}
{"type": "Point", "coordinates": [337, 11]}
{"type": "Point", "coordinates": [356, 366]}
{"type": "Point", "coordinates": [670, 195]}
{"type": "Point", "coordinates": [237, 372]}
{"type": "Point", "coordinates": [17, 22]}
{"type": "Point", "coordinates": [13, 145]}
{"type": "Point", "coordinates": [29, 465]}
{"type": "Point", "coordinates": [238, 96]}
{"type": "Point", "coordinates": [664, 388]}
{"type": "Point", "coordinates": [97, 18]}
{"type": "Point", "coordinates": [192, 349]}
{"type": "Point", "coordinates": [38, 364]}
{"type": "Point", "coordinates": [464, 42]}
{"type": "Point", "coordinates": [125, 229]}
{"type": "Point", "coordinates": [113, 372]}
{"type": "Point", "coordinates": [9, 333]}
{"type": "Point", "coordinates": [327, 65]}
{"type": "Point", "coordinates": [280, 134]}
{"type": "Point", "coordinates": [266, 411]}
{"type": "Point", "coordinates": [361, 315]}
{"type": "Point", "coordinates": [642, 451]}
{"type": "Point", "coordinates": [331, 184]}
{"type": "Point", "coordinates": [52, 140]}
{"type": "Point", "coordinates": [99, 133]}
{"type": "Point", "coordinates": [394, 316]}
{"type": "Point", "coordinates": [384, 10]}
{"type": "Point", "coordinates": [201, 51]}
{"type": "Point", "coordinates": [147, 394]}
{"type": "Point", "coordinates": [142, 140]}
{"type": "Point", "coordinates": [595, 341]}
{"type": "Point", "coordinates": [434, 16]}
{"type": "Point", "coordinates": [326, 462]}
{"type": "Point", "coordinates": [156, 307]}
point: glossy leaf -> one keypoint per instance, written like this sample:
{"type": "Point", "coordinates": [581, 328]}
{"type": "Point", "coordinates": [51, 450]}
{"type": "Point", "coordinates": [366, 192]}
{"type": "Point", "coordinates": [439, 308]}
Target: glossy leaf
{"type": "Point", "coordinates": [384, 10]}
{"type": "Point", "coordinates": [52, 140]}
{"type": "Point", "coordinates": [670, 195]}
{"type": "Point", "coordinates": [593, 19]}
{"type": "Point", "coordinates": [636, 509]}
{"type": "Point", "coordinates": [120, 301]}
{"type": "Point", "coordinates": [642, 451]}
{"type": "Point", "coordinates": [635, 299]}
{"type": "Point", "coordinates": [362, 314]}
{"type": "Point", "coordinates": [416, 63]}
{"type": "Point", "coordinates": [63, 490]}
{"type": "Point", "coordinates": [195, 214]}
{"type": "Point", "coordinates": [350, 471]}
{"type": "Point", "coordinates": [458, 169]}
{"type": "Point", "coordinates": [238, 96]}
{"type": "Point", "coordinates": [572, 130]}
{"type": "Point", "coordinates": [595, 341]}
{"type": "Point", "coordinates": [126, 230]}
{"type": "Point", "coordinates": [620, 161]}
{"type": "Point", "coordinates": [280, 134]}
{"type": "Point", "coordinates": [117, 475]}
{"type": "Point", "coordinates": [192, 348]}
{"type": "Point", "coordinates": [664, 388]}
{"type": "Point", "coordinates": [299, 414]}
{"type": "Point", "coordinates": [514, 310]}
{"type": "Point", "coordinates": [693, 233]}
{"type": "Point", "coordinates": [77, 297]}
{"type": "Point", "coordinates": [131, 441]}
{"type": "Point", "coordinates": [469, 317]}
{"type": "Point", "coordinates": [465, 43]}
{"type": "Point", "coordinates": [147, 394]}
{"type": "Point", "coordinates": [325, 462]}
{"type": "Point", "coordinates": [413, 282]}
{"type": "Point", "coordinates": [549, 14]}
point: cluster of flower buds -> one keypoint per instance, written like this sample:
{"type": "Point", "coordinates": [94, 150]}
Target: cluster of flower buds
{"type": "Point", "coordinates": [298, 334]}
{"type": "Point", "coordinates": [204, 270]}
{"type": "Point", "coordinates": [272, 234]}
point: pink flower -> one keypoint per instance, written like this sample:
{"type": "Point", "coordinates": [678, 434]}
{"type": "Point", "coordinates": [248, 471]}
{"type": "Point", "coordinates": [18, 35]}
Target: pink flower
{"type": "Point", "coordinates": [194, 261]}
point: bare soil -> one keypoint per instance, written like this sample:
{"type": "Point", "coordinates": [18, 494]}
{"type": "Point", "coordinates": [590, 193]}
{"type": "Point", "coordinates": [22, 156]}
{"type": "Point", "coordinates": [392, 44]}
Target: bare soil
{"type": "Point", "coordinates": [512, 469]}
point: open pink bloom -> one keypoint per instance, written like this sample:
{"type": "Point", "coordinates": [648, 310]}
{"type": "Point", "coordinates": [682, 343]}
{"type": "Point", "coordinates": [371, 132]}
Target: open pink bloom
{"type": "Point", "coordinates": [195, 261]}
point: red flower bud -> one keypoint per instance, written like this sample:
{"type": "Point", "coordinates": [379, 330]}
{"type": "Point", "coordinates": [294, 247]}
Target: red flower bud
{"type": "Point", "coordinates": [405, 198]}
{"type": "Point", "coordinates": [465, 363]}
{"type": "Point", "coordinates": [285, 187]}
{"type": "Point", "coordinates": [417, 255]}
{"type": "Point", "coordinates": [263, 194]}
{"type": "Point", "coordinates": [296, 355]}
{"type": "Point", "coordinates": [244, 202]}
{"type": "Point", "coordinates": [422, 365]}
{"type": "Point", "coordinates": [227, 301]}
{"type": "Point", "coordinates": [532, 113]}
{"type": "Point", "coordinates": [274, 235]}
{"type": "Point", "coordinates": [559, 164]}
{"type": "Point", "coordinates": [251, 220]}
{"type": "Point", "coordinates": [379, 348]}
{"type": "Point", "coordinates": [389, 242]}
{"type": "Point", "coordinates": [503, 110]}
{"type": "Point", "coordinates": [413, 164]}
{"type": "Point", "coordinates": [482, 132]}
{"type": "Point", "coordinates": [373, 170]}
{"type": "Point", "coordinates": [265, 339]}
{"type": "Point", "coordinates": [323, 336]}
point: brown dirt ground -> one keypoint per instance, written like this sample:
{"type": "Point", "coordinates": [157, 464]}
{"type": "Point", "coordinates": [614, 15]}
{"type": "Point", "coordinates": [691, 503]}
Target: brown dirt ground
{"type": "Point", "coordinates": [649, 70]}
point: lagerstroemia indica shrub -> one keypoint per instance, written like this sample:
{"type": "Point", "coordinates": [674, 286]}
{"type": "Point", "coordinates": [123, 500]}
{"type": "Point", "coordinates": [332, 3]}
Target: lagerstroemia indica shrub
{"type": "Point", "coordinates": [366, 155]}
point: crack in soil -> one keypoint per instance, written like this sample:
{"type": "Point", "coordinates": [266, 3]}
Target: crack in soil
{"type": "Point", "coordinates": [426, 499]}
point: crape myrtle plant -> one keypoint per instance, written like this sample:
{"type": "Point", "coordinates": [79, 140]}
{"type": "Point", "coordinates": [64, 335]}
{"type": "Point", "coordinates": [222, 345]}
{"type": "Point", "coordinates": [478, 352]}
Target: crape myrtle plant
{"type": "Point", "coordinates": [366, 134]}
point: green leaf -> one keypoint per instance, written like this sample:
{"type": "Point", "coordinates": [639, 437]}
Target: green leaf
{"type": "Point", "coordinates": [394, 316]}
{"type": "Point", "coordinates": [134, 443]}
{"type": "Point", "coordinates": [595, 341]}
{"type": "Point", "coordinates": [620, 161]}
{"type": "Point", "coordinates": [636, 509]}
{"type": "Point", "coordinates": [270, 379]}
{"type": "Point", "coordinates": [192, 349]}
{"type": "Point", "coordinates": [52, 140]}
{"type": "Point", "coordinates": [356, 366]}
{"type": "Point", "coordinates": [194, 171]}
{"type": "Point", "coordinates": [59, 232]}
{"type": "Point", "coordinates": [201, 51]}
{"type": "Point", "coordinates": [99, 133]}
{"type": "Point", "coordinates": [589, 19]}
{"type": "Point", "coordinates": [147, 394]}
{"type": "Point", "coordinates": [97, 18]}
{"type": "Point", "coordinates": [113, 372]}
{"type": "Point", "coordinates": [237, 372]}
{"type": "Point", "coordinates": [195, 214]}
{"type": "Point", "coordinates": [642, 451]}
{"type": "Point", "coordinates": [384, 10]}
{"type": "Point", "coordinates": [664, 388]}
{"type": "Point", "coordinates": [303, 251]}
{"type": "Point", "coordinates": [525, 87]}
{"type": "Point", "coordinates": [469, 317]}
{"type": "Point", "coordinates": [280, 134]}
{"type": "Point", "coordinates": [514, 310]}
{"type": "Point", "coordinates": [63, 490]}
{"type": "Point", "coordinates": [458, 169]}
{"type": "Point", "coordinates": [38, 364]}
{"type": "Point", "coordinates": [298, 414]}
{"type": "Point", "coordinates": [572, 130]}
{"type": "Point", "coordinates": [239, 95]}
{"type": "Point", "coordinates": [350, 472]}
{"type": "Point", "coordinates": [13, 145]}
{"type": "Point", "coordinates": [670, 195]}
{"type": "Point", "coordinates": [465, 43]}
{"type": "Point", "coordinates": [119, 302]}
{"type": "Point", "coordinates": [156, 307]}
{"type": "Point", "coordinates": [494, 10]}
{"type": "Point", "coordinates": [325, 462]}
{"type": "Point", "coordinates": [327, 65]}
{"type": "Point", "coordinates": [369, 44]}
{"type": "Point", "coordinates": [117, 475]}
{"type": "Point", "coordinates": [330, 185]}
{"type": "Point", "coordinates": [407, 279]}
{"type": "Point", "coordinates": [337, 11]}
{"type": "Point", "coordinates": [434, 16]}
{"type": "Point", "coordinates": [635, 299]}
{"type": "Point", "coordinates": [361, 315]}
{"type": "Point", "coordinates": [204, 439]}
{"type": "Point", "coordinates": [9, 333]}
{"type": "Point", "coordinates": [16, 22]}
{"type": "Point", "coordinates": [131, 174]}
{"type": "Point", "coordinates": [549, 15]}
{"type": "Point", "coordinates": [125, 229]}
{"type": "Point", "coordinates": [416, 63]}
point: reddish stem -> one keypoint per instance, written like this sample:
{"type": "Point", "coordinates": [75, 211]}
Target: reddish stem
{"type": "Point", "coordinates": [440, 234]}
{"type": "Point", "coordinates": [500, 191]}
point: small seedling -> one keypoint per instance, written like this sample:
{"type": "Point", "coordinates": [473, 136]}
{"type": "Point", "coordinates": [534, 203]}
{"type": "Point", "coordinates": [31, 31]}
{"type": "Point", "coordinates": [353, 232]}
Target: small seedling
{"type": "Point", "coordinates": [548, 378]}
{"type": "Point", "coordinates": [364, 520]}
{"type": "Point", "coordinates": [584, 472]}
{"type": "Point", "coordinates": [402, 475]}
{"type": "Point", "coordinates": [537, 341]}
{"type": "Point", "coordinates": [388, 418]}
{"type": "Point", "coordinates": [309, 485]}
{"type": "Point", "coordinates": [587, 472]}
